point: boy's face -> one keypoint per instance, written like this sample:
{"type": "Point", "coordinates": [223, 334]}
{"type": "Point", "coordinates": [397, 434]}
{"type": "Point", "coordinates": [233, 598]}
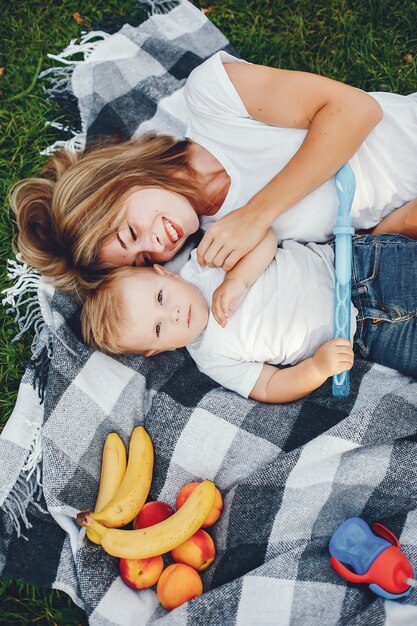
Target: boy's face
{"type": "Point", "coordinates": [162, 311]}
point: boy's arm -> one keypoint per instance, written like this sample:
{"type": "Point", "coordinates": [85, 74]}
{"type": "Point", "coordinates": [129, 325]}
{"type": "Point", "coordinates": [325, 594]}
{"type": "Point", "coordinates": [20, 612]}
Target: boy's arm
{"type": "Point", "coordinates": [242, 276]}
{"type": "Point", "coordinates": [292, 383]}
{"type": "Point", "coordinates": [251, 266]}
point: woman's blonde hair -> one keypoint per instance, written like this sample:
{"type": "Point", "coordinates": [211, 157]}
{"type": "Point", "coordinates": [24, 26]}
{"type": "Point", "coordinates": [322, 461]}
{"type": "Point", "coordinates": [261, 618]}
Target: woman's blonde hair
{"type": "Point", "coordinates": [102, 319]}
{"type": "Point", "coordinates": [65, 216]}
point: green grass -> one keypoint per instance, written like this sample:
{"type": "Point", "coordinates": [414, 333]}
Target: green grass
{"type": "Point", "coordinates": [21, 603]}
{"type": "Point", "coordinates": [371, 44]}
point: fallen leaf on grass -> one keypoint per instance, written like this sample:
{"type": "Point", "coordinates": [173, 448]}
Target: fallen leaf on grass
{"type": "Point", "coordinates": [208, 10]}
{"type": "Point", "coordinates": [2, 70]}
{"type": "Point", "coordinates": [77, 17]}
{"type": "Point", "coordinates": [408, 58]}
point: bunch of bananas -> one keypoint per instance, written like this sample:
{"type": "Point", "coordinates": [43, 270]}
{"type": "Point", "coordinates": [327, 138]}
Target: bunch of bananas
{"type": "Point", "coordinates": [122, 493]}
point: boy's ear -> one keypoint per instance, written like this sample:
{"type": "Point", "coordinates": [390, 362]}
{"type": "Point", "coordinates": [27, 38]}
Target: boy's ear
{"type": "Point", "coordinates": [160, 269]}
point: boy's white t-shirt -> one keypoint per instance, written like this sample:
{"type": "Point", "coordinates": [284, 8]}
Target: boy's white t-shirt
{"type": "Point", "coordinates": [253, 152]}
{"type": "Point", "coordinates": [284, 317]}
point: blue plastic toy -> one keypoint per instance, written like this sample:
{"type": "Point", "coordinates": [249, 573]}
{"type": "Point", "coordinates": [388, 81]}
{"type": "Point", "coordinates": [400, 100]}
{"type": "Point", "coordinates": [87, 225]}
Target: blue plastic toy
{"type": "Point", "coordinates": [345, 187]}
{"type": "Point", "coordinates": [374, 556]}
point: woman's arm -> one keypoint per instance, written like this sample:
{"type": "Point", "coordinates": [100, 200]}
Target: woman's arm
{"type": "Point", "coordinates": [402, 221]}
{"type": "Point", "coordinates": [292, 383]}
{"type": "Point", "coordinates": [337, 117]}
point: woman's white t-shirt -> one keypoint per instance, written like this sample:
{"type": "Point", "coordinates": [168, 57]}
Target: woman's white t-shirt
{"type": "Point", "coordinates": [252, 152]}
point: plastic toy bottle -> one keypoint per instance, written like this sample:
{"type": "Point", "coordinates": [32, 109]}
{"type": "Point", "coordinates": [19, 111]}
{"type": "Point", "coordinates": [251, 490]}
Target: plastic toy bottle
{"type": "Point", "coordinates": [345, 187]}
{"type": "Point", "coordinates": [374, 556]}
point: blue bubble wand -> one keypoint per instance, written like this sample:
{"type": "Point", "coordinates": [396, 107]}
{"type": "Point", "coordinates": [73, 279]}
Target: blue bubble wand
{"type": "Point", "coordinates": [345, 187]}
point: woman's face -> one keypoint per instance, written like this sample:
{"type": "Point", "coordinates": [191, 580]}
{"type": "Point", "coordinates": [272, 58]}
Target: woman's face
{"type": "Point", "coordinates": [154, 226]}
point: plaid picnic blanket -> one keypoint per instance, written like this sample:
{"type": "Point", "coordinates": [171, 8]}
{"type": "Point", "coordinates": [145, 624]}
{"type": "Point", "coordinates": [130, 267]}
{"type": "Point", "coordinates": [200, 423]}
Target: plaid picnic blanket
{"type": "Point", "coordinates": [289, 474]}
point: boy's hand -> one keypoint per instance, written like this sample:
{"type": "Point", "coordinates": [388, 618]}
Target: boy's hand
{"type": "Point", "coordinates": [225, 299]}
{"type": "Point", "coordinates": [333, 357]}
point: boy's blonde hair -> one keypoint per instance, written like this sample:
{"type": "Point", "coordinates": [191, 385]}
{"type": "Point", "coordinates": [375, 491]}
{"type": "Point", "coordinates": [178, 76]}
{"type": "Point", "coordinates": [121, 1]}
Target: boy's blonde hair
{"type": "Point", "coordinates": [102, 319]}
{"type": "Point", "coordinates": [68, 214]}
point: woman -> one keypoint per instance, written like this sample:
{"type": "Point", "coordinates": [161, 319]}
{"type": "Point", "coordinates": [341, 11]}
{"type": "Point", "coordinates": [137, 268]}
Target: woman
{"type": "Point", "coordinates": [261, 147]}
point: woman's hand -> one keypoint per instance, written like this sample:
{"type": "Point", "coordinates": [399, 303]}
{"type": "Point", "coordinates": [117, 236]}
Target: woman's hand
{"type": "Point", "coordinates": [334, 357]}
{"type": "Point", "coordinates": [226, 298]}
{"type": "Point", "coordinates": [231, 238]}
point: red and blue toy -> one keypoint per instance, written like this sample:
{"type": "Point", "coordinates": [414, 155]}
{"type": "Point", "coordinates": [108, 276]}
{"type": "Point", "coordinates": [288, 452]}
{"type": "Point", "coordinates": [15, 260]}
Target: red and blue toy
{"type": "Point", "coordinates": [374, 556]}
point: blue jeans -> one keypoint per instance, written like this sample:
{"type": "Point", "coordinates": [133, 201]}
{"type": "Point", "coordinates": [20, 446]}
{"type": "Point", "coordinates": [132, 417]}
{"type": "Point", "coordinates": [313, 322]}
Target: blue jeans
{"type": "Point", "coordinates": [384, 290]}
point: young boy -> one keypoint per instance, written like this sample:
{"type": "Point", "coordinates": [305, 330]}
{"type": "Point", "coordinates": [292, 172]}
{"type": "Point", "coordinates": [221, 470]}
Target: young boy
{"type": "Point", "coordinates": [282, 304]}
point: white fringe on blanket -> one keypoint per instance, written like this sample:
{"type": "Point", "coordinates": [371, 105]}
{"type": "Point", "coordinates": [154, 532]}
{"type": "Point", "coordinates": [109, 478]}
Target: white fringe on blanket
{"type": "Point", "coordinates": [27, 298]}
{"type": "Point", "coordinates": [89, 41]}
{"type": "Point", "coordinates": [16, 503]}
{"type": "Point", "coordinates": [26, 487]}
{"type": "Point", "coordinates": [60, 82]}
{"type": "Point", "coordinates": [22, 297]}
{"type": "Point", "coordinates": [24, 301]}
{"type": "Point", "coordinates": [155, 7]}
{"type": "Point", "coordinates": [26, 490]}
{"type": "Point", "coordinates": [74, 145]}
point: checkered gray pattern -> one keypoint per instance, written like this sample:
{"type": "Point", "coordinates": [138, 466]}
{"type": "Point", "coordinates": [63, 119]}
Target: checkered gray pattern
{"type": "Point", "coordinates": [289, 474]}
{"type": "Point", "coordinates": [149, 66]}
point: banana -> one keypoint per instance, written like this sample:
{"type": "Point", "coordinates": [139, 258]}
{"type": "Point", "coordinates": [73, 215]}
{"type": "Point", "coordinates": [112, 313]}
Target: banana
{"type": "Point", "coordinates": [113, 468]}
{"type": "Point", "coordinates": [160, 538]}
{"type": "Point", "coordinates": [134, 488]}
